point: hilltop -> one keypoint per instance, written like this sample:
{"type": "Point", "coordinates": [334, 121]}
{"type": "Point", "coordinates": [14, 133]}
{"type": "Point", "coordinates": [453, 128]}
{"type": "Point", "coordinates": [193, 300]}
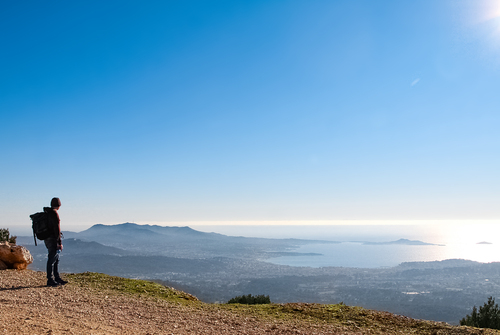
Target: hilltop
{"type": "Point", "coordinates": [95, 303]}
{"type": "Point", "coordinates": [216, 268]}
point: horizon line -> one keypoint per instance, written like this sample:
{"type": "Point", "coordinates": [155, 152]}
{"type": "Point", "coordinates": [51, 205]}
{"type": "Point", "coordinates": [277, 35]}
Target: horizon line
{"type": "Point", "coordinates": [315, 222]}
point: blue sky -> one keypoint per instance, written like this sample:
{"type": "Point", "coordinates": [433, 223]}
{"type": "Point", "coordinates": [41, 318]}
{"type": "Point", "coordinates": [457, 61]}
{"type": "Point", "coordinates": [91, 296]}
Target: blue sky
{"type": "Point", "coordinates": [232, 111]}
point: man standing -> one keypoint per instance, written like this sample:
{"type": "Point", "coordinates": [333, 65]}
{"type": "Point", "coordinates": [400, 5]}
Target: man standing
{"type": "Point", "coordinates": [53, 244]}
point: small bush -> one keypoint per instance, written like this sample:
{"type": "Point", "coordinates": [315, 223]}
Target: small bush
{"type": "Point", "coordinates": [4, 236]}
{"type": "Point", "coordinates": [250, 300]}
{"type": "Point", "coordinates": [488, 316]}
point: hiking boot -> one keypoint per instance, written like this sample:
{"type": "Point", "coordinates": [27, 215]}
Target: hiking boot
{"type": "Point", "coordinates": [61, 281]}
{"type": "Point", "coordinates": [52, 283]}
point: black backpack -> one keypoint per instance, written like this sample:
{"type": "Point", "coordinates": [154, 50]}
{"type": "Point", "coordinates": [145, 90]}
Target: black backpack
{"type": "Point", "coordinates": [40, 226]}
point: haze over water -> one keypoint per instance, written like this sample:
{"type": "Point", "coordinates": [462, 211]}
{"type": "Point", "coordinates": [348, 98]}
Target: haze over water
{"type": "Point", "coordinates": [452, 241]}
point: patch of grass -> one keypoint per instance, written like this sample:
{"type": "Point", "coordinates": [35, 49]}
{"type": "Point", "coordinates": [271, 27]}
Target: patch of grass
{"type": "Point", "coordinates": [353, 318]}
{"type": "Point", "coordinates": [336, 314]}
{"type": "Point", "coordinates": [304, 311]}
{"type": "Point", "coordinates": [105, 282]}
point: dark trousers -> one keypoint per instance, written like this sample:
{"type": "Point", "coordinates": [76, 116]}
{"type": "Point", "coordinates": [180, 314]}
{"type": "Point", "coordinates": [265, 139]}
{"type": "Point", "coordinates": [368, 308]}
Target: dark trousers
{"type": "Point", "coordinates": [53, 258]}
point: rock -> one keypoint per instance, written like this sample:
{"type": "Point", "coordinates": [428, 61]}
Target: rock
{"type": "Point", "coordinates": [3, 266]}
{"type": "Point", "coordinates": [14, 256]}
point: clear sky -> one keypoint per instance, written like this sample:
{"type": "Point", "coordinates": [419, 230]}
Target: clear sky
{"type": "Point", "coordinates": [232, 111]}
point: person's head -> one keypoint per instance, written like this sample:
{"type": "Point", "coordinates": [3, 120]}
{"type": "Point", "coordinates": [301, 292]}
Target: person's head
{"type": "Point", "coordinates": [55, 203]}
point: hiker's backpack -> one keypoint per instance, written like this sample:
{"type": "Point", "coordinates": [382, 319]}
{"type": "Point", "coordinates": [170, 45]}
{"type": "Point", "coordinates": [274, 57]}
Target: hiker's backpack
{"type": "Point", "coordinates": [40, 226]}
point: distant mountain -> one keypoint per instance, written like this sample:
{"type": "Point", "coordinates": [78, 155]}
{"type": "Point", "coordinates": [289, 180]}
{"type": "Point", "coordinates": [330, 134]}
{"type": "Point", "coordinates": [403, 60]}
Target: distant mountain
{"type": "Point", "coordinates": [402, 241]}
{"type": "Point", "coordinates": [139, 231]}
{"type": "Point", "coordinates": [184, 242]}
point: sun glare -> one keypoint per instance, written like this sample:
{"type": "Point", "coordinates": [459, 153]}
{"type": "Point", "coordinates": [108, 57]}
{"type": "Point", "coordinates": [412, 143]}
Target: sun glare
{"type": "Point", "coordinates": [491, 10]}
{"type": "Point", "coordinates": [482, 26]}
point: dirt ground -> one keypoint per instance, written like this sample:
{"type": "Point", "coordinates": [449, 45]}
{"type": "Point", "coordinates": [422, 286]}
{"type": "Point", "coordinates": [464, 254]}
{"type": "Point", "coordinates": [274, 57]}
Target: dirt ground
{"type": "Point", "coordinates": [29, 307]}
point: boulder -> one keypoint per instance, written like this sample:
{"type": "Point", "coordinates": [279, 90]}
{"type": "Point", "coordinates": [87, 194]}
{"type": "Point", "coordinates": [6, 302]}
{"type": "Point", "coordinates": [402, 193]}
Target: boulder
{"type": "Point", "coordinates": [14, 256]}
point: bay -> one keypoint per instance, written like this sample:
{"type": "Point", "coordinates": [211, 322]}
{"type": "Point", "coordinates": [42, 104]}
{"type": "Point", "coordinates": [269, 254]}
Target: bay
{"type": "Point", "coordinates": [474, 241]}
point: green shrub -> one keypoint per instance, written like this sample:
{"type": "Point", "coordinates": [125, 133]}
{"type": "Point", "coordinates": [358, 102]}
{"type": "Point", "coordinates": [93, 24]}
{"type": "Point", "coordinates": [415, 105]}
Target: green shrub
{"type": "Point", "coordinates": [4, 236]}
{"type": "Point", "coordinates": [488, 316]}
{"type": "Point", "coordinates": [250, 300]}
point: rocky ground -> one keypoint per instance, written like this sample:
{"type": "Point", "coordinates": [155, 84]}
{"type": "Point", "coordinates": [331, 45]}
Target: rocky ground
{"type": "Point", "coordinates": [95, 305]}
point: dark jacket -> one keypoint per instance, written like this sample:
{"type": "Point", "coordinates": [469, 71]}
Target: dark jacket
{"type": "Point", "coordinates": [54, 223]}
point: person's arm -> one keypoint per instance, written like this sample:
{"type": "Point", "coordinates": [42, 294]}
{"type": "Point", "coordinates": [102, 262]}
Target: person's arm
{"type": "Point", "coordinates": [59, 234]}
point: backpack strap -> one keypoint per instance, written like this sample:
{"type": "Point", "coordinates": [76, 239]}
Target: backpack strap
{"type": "Point", "coordinates": [33, 228]}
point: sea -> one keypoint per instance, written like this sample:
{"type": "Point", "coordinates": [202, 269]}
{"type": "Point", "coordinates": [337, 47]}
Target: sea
{"type": "Point", "coordinates": [472, 241]}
